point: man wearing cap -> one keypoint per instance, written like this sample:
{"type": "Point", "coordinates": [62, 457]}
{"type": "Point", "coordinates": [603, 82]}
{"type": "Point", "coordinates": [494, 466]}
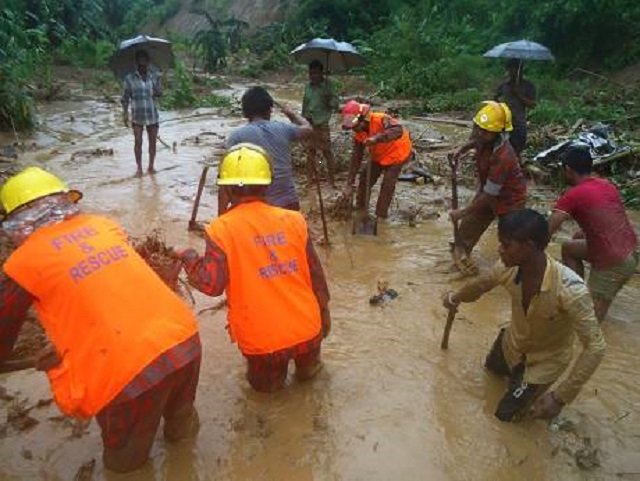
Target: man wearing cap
{"type": "Point", "coordinates": [263, 257]}
{"type": "Point", "coordinates": [606, 240]}
{"type": "Point", "coordinates": [519, 94]}
{"type": "Point", "coordinates": [502, 187]}
{"type": "Point", "coordinates": [129, 356]}
{"type": "Point", "coordinates": [389, 146]}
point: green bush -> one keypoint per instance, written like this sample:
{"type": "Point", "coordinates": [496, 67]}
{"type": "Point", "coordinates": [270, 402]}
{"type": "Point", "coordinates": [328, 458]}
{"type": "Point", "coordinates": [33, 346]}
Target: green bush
{"type": "Point", "coordinates": [180, 93]}
{"type": "Point", "coordinates": [465, 100]}
{"type": "Point", "coordinates": [83, 52]}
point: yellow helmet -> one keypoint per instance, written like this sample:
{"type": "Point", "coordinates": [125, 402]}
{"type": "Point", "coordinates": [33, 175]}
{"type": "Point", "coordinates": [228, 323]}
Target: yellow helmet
{"type": "Point", "coordinates": [494, 117]}
{"type": "Point", "coordinates": [245, 164]}
{"type": "Point", "coordinates": [31, 184]}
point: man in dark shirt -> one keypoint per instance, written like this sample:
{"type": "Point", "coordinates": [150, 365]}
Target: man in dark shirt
{"type": "Point", "coordinates": [519, 94]}
{"type": "Point", "coordinates": [606, 240]}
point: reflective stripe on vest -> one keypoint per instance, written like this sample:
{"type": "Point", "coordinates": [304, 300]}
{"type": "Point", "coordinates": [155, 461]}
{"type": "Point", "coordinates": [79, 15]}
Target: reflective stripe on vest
{"type": "Point", "coordinates": [386, 153]}
{"type": "Point", "coordinates": [106, 312]}
{"type": "Point", "coordinates": [271, 301]}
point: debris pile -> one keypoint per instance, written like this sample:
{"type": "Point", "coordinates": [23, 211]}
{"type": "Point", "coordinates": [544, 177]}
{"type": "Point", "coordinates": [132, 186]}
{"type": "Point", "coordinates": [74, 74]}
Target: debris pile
{"type": "Point", "coordinates": [384, 295]}
{"type": "Point", "coordinates": [160, 257]}
{"type": "Point", "coordinates": [88, 153]}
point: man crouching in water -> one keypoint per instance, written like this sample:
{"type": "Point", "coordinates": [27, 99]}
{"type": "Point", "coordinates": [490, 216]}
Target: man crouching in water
{"type": "Point", "coordinates": [549, 303]}
{"type": "Point", "coordinates": [264, 258]}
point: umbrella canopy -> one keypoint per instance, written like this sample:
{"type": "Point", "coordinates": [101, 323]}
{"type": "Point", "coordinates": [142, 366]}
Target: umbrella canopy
{"type": "Point", "coordinates": [336, 56]}
{"type": "Point", "coordinates": [522, 49]}
{"type": "Point", "coordinates": [159, 50]}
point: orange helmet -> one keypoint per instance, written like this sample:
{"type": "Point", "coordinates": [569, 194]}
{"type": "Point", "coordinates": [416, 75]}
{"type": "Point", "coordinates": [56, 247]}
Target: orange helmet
{"type": "Point", "coordinates": [352, 113]}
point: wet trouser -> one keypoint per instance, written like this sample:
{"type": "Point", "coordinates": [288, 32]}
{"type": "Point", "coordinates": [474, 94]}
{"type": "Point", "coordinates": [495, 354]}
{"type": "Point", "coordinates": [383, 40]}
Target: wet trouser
{"type": "Point", "coordinates": [268, 372]}
{"type": "Point", "coordinates": [518, 138]}
{"type": "Point", "coordinates": [390, 174]}
{"type": "Point", "coordinates": [129, 427]}
{"type": "Point", "coordinates": [473, 226]}
{"type": "Point", "coordinates": [520, 395]}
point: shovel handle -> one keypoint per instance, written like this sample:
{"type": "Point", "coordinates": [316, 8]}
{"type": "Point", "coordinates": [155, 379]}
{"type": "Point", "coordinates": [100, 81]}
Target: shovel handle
{"type": "Point", "coordinates": [444, 344]}
{"type": "Point", "coordinates": [196, 203]}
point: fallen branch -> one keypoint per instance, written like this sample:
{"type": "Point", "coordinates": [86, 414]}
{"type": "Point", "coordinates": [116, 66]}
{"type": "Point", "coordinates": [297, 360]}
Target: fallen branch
{"type": "Point", "coordinates": [17, 365]}
{"type": "Point", "coordinates": [164, 143]}
{"type": "Point", "coordinates": [192, 116]}
{"type": "Point", "coordinates": [444, 120]}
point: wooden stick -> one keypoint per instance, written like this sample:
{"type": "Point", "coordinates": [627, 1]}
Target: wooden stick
{"type": "Point", "coordinates": [193, 225]}
{"type": "Point", "coordinates": [17, 365]}
{"type": "Point", "coordinates": [453, 163]}
{"type": "Point", "coordinates": [442, 120]}
{"type": "Point", "coordinates": [320, 201]}
{"type": "Point", "coordinates": [164, 143]}
{"type": "Point", "coordinates": [444, 344]}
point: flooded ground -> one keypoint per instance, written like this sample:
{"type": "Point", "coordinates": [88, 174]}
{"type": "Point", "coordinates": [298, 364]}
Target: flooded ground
{"type": "Point", "coordinates": [389, 404]}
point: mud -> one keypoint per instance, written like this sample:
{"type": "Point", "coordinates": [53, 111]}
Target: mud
{"type": "Point", "coordinates": [160, 257]}
{"type": "Point", "coordinates": [389, 404]}
{"type": "Point", "coordinates": [31, 341]}
{"type": "Point", "coordinates": [18, 415]}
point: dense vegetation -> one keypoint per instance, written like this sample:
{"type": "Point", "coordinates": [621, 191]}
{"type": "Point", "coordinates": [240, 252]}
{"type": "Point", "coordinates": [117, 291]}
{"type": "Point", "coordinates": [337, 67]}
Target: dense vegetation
{"type": "Point", "coordinates": [425, 49]}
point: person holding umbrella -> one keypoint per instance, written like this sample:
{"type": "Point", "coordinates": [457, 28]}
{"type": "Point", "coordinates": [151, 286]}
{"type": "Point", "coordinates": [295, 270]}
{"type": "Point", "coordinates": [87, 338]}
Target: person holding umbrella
{"type": "Point", "coordinates": [519, 94]}
{"type": "Point", "coordinates": [141, 88]}
{"type": "Point", "coordinates": [319, 102]}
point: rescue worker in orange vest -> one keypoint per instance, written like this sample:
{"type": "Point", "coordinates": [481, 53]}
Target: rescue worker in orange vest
{"type": "Point", "coordinates": [502, 186]}
{"type": "Point", "coordinates": [264, 258]}
{"type": "Point", "coordinates": [124, 347]}
{"type": "Point", "coordinates": [390, 148]}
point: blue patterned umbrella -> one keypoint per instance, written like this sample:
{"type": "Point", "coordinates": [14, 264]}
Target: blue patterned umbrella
{"type": "Point", "coordinates": [522, 50]}
{"type": "Point", "coordinates": [159, 50]}
{"type": "Point", "coordinates": [337, 57]}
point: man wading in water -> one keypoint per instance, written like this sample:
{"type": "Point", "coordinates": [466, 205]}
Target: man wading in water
{"type": "Point", "coordinates": [549, 304]}
{"type": "Point", "coordinates": [140, 89]}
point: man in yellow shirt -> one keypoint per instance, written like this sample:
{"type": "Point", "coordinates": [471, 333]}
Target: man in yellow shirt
{"type": "Point", "coordinates": [549, 304]}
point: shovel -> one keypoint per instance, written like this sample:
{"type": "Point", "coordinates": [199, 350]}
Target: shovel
{"type": "Point", "coordinates": [364, 224]}
{"type": "Point", "coordinates": [453, 163]}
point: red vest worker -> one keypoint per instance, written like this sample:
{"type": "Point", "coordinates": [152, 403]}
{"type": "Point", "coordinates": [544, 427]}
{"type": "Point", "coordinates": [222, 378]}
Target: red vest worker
{"type": "Point", "coordinates": [389, 145]}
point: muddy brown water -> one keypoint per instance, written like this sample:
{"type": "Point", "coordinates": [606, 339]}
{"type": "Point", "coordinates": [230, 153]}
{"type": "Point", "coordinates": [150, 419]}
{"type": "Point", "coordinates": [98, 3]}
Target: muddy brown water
{"type": "Point", "coordinates": [389, 403]}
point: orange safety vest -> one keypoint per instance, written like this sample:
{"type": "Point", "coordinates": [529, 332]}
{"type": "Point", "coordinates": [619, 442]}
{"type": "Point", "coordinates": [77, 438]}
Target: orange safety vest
{"type": "Point", "coordinates": [103, 308]}
{"type": "Point", "coordinates": [271, 301]}
{"type": "Point", "coordinates": [386, 153]}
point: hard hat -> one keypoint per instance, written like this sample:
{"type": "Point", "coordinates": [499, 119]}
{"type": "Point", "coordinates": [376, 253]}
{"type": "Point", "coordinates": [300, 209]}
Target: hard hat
{"type": "Point", "coordinates": [31, 184]}
{"type": "Point", "coordinates": [245, 164]}
{"type": "Point", "coordinates": [352, 113]}
{"type": "Point", "coordinates": [494, 117]}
